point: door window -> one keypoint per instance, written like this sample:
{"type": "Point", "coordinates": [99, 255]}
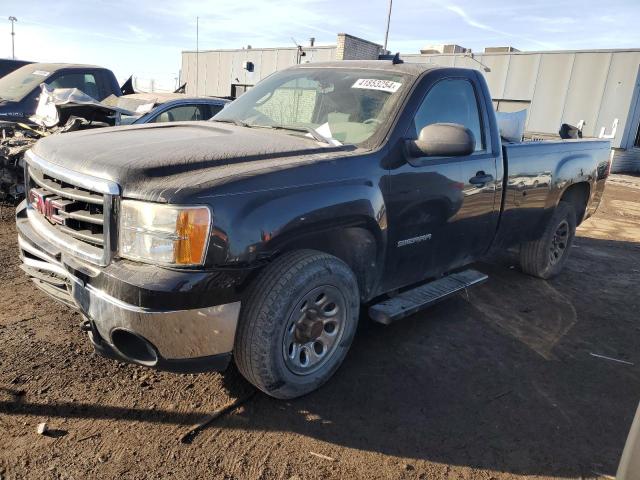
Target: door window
{"type": "Point", "coordinates": [451, 101]}
{"type": "Point", "coordinates": [183, 113]}
{"type": "Point", "coordinates": [85, 82]}
{"type": "Point", "coordinates": [215, 109]}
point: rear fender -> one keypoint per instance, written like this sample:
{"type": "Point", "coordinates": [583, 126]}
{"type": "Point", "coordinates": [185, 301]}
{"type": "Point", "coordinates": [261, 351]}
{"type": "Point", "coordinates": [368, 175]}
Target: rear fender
{"type": "Point", "coordinates": [571, 170]}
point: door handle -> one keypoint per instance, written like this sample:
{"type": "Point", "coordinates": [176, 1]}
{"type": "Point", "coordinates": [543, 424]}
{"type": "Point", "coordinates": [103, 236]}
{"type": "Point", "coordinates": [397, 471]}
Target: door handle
{"type": "Point", "coordinates": [480, 179]}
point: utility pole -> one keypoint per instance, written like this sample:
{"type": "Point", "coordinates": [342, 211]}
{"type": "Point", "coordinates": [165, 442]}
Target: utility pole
{"type": "Point", "coordinates": [386, 34]}
{"type": "Point", "coordinates": [13, 19]}
{"type": "Point", "coordinates": [197, 53]}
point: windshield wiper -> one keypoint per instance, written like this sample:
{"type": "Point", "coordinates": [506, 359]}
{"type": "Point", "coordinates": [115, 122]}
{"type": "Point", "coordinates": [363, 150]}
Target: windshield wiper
{"type": "Point", "coordinates": [314, 133]}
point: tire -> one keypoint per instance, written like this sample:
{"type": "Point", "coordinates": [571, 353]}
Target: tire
{"type": "Point", "coordinates": [545, 257]}
{"type": "Point", "coordinates": [290, 339]}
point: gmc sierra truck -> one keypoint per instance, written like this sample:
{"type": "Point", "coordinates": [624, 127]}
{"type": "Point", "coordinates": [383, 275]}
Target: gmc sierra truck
{"type": "Point", "coordinates": [261, 234]}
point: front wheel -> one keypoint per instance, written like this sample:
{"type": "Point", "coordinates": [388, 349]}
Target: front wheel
{"type": "Point", "coordinates": [545, 257]}
{"type": "Point", "coordinates": [297, 323]}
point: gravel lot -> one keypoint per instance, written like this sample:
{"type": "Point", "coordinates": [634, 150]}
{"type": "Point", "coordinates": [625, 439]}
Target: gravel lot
{"type": "Point", "coordinates": [498, 383]}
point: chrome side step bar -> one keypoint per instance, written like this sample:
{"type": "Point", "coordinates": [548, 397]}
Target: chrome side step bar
{"type": "Point", "coordinates": [412, 301]}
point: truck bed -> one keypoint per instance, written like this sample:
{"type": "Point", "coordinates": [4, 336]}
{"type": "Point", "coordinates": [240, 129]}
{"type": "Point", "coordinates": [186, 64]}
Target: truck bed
{"type": "Point", "coordinates": [534, 177]}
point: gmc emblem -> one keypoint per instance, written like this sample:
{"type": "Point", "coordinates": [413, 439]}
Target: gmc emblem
{"type": "Point", "coordinates": [48, 204]}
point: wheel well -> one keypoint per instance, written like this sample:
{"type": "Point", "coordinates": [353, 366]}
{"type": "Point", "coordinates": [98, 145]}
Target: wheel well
{"type": "Point", "coordinates": [355, 246]}
{"type": "Point", "coordinates": [578, 196]}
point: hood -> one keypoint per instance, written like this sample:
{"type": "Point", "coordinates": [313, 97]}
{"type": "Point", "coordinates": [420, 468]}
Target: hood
{"type": "Point", "coordinates": [153, 162]}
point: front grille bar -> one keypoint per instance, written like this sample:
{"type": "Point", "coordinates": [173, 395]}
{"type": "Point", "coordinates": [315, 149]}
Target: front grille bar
{"type": "Point", "coordinates": [84, 235]}
{"type": "Point", "coordinates": [72, 193]}
{"type": "Point", "coordinates": [83, 216]}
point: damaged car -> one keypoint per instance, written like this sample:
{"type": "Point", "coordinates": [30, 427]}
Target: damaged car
{"type": "Point", "coordinates": [63, 110]}
{"type": "Point", "coordinates": [171, 107]}
{"type": "Point", "coordinates": [20, 92]}
{"type": "Point", "coordinates": [20, 89]}
{"type": "Point", "coordinates": [9, 65]}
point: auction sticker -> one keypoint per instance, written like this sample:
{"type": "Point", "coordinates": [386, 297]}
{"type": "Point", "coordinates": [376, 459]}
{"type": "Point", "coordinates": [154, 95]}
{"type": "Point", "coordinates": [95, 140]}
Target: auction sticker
{"type": "Point", "coordinates": [375, 84]}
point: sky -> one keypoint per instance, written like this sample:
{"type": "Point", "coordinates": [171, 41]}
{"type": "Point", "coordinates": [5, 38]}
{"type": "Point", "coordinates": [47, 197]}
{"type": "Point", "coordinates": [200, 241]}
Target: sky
{"type": "Point", "coordinates": [146, 37]}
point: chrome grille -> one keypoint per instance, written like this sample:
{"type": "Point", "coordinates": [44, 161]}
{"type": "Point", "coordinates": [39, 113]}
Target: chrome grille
{"type": "Point", "coordinates": [71, 209]}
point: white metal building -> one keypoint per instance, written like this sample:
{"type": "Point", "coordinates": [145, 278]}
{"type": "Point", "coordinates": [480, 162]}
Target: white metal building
{"type": "Point", "coordinates": [230, 72]}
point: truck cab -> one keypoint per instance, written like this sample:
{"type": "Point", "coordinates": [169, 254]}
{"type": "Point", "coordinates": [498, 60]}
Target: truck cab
{"type": "Point", "coordinates": [20, 89]}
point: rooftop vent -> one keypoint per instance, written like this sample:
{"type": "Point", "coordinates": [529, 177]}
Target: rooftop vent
{"type": "Point", "coordinates": [500, 50]}
{"type": "Point", "coordinates": [444, 48]}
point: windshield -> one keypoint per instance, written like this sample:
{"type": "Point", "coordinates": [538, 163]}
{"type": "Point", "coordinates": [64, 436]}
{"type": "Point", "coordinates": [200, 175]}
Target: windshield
{"type": "Point", "coordinates": [15, 86]}
{"type": "Point", "coordinates": [342, 105]}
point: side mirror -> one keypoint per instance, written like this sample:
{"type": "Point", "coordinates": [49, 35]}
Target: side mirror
{"type": "Point", "coordinates": [443, 140]}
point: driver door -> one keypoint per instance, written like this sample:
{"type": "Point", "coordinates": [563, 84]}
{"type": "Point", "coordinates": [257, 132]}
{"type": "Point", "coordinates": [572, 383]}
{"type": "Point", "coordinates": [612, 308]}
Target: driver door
{"type": "Point", "coordinates": [440, 216]}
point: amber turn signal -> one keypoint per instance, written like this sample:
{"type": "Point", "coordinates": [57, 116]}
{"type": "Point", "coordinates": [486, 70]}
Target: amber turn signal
{"type": "Point", "coordinates": [192, 228]}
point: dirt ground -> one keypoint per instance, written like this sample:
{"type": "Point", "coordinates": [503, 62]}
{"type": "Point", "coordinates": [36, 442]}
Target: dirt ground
{"type": "Point", "coordinates": [499, 383]}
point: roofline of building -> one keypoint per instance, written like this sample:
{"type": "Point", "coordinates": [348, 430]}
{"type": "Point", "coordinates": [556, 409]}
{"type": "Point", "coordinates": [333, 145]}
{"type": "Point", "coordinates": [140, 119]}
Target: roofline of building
{"type": "Point", "coordinates": [329, 47]}
{"type": "Point", "coordinates": [360, 39]}
{"type": "Point", "coordinates": [262, 49]}
{"type": "Point", "coordinates": [528, 52]}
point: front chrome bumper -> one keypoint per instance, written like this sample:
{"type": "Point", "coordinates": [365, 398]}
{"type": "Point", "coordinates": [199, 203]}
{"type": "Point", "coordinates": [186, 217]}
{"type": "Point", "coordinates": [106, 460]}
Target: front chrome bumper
{"type": "Point", "coordinates": [176, 335]}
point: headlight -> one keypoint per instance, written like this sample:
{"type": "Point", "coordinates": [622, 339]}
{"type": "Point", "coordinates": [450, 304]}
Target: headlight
{"type": "Point", "coordinates": [163, 234]}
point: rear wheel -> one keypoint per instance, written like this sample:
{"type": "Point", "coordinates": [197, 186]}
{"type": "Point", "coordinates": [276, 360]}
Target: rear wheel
{"type": "Point", "coordinates": [297, 323]}
{"type": "Point", "coordinates": [545, 257]}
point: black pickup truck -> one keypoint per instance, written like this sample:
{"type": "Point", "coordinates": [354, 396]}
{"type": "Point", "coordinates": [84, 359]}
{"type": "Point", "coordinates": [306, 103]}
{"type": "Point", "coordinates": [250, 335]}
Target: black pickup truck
{"type": "Point", "coordinates": [20, 89]}
{"type": "Point", "coordinates": [262, 233]}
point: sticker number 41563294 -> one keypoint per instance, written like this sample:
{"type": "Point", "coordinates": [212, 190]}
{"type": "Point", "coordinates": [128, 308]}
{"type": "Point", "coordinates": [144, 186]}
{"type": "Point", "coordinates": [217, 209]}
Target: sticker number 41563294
{"type": "Point", "coordinates": [375, 84]}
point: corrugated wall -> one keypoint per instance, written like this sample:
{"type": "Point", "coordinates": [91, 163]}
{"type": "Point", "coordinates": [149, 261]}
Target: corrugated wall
{"type": "Point", "coordinates": [219, 69]}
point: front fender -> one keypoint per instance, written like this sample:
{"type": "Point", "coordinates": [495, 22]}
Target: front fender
{"type": "Point", "coordinates": [255, 226]}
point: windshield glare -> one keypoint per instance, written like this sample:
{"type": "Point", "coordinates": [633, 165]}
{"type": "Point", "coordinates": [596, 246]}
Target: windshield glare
{"type": "Point", "coordinates": [348, 106]}
{"type": "Point", "coordinates": [19, 83]}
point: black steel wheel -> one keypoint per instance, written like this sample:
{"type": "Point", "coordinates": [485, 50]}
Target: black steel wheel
{"type": "Point", "coordinates": [314, 329]}
{"type": "Point", "coordinates": [559, 242]}
{"type": "Point", "coordinates": [297, 323]}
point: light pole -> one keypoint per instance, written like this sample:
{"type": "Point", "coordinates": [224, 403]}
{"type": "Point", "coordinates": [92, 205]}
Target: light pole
{"type": "Point", "coordinates": [197, 54]}
{"type": "Point", "coordinates": [13, 19]}
{"type": "Point", "coordinates": [386, 34]}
